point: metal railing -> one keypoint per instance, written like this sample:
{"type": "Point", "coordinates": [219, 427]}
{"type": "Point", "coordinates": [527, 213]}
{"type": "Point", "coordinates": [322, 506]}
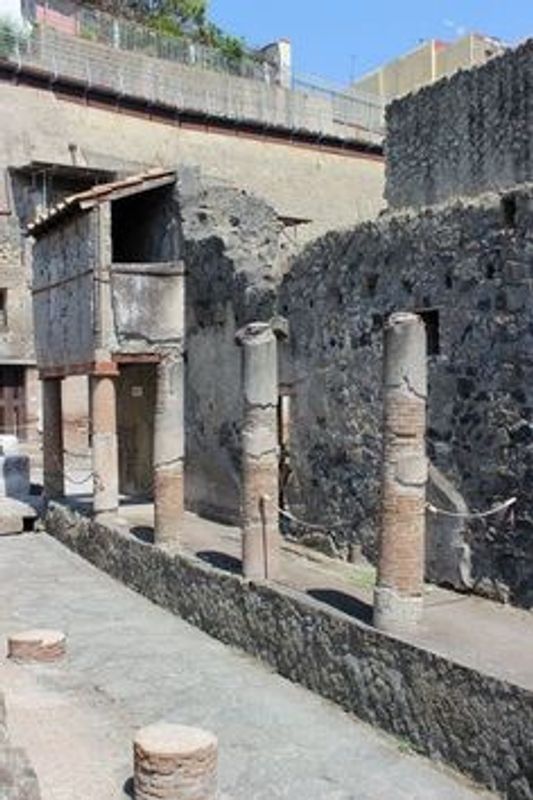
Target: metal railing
{"type": "Point", "coordinates": [309, 106]}
{"type": "Point", "coordinates": [349, 107]}
{"type": "Point", "coordinates": [125, 34]}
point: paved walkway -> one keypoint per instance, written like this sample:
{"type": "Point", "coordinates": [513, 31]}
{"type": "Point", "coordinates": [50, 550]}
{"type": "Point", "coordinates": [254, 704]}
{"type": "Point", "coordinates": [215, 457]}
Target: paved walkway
{"type": "Point", "coordinates": [131, 663]}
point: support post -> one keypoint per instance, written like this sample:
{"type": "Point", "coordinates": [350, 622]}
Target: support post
{"type": "Point", "coordinates": [169, 449]}
{"type": "Point", "coordinates": [400, 580]}
{"type": "Point", "coordinates": [104, 443]}
{"type": "Point", "coordinates": [53, 457]}
{"type": "Point", "coordinates": [260, 526]}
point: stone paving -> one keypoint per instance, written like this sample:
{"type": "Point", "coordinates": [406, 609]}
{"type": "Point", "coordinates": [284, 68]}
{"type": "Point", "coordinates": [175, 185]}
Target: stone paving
{"type": "Point", "coordinates": [130, 663]}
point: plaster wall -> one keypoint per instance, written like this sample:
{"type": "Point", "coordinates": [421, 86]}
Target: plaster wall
{"type": "Point", "coordinates": [232, 251]}
{"type": "Point", "coordinates": [329, 190]}
{"type": "Point", "coordinates": [64, 260]}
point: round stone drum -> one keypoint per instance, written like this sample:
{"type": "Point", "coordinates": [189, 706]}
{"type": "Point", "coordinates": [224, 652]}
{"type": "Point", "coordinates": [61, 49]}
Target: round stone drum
{"type": "Point", "coordinates": [174, 762]}
{"type": "Point", "coordinates": [40, 644]}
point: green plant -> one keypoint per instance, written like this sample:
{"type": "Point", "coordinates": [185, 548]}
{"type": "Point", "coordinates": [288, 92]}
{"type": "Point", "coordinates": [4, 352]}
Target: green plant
{"type": "Point", "coordinates": [12, 35]}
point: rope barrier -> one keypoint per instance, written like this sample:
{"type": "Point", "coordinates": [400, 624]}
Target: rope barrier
{"type": "Point", "coordinates": [311, 525]}
{"type": "Point", "coordinates": [497, 509]}
{"type": "Point", "coordinates": [473, 514]}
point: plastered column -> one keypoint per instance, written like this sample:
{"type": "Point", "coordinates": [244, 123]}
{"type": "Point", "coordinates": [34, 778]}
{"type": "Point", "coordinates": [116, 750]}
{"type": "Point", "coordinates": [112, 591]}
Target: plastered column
{"type": "Point", "coordinates": [53, 459]}
{"type": "Point", "coordinates": [104, 443]}
{"type": "Point", "coordinates": [261, 538]}
{"type": "Point", "coordinates": [400, 580]}
{"type": "Point", "coordinates": [169, 449]}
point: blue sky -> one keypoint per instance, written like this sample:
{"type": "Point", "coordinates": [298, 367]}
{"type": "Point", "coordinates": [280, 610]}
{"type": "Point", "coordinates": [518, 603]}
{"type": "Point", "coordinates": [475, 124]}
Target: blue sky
{"type": "Point", "coordinates": [345, 38]}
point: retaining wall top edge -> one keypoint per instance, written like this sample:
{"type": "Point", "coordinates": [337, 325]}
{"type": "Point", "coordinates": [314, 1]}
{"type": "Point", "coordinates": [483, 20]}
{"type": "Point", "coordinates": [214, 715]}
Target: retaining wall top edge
{"type": "Point", "coordinates": [310, 604]}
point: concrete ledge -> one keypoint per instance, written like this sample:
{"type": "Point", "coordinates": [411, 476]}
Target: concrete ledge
{"type": "Point", "coordinates": [476, 723]}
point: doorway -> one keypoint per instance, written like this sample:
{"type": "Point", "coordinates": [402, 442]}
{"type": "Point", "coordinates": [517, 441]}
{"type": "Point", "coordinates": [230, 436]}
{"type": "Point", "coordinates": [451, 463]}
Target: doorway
{"type": "Point", "coordinates": [135, 428]}
{"type": "Point", "coordinates": [12, 401]}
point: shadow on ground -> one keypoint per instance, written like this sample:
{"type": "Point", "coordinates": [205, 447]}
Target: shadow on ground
{"type": "Point", "coordinates": [344, 602]}
{"type": "Point", "coordinates": [144, 533]}
{"type": "Point", "coordinates": [221, 560]}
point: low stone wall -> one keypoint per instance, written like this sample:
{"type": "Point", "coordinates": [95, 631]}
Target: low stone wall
{"type": "Point", "coordinates": [480, 725]}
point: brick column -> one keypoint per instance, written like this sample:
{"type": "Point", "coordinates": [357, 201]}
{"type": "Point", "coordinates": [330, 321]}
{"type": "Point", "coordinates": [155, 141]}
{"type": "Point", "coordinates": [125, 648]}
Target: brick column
{"type": "Point", "coordinates": [104, 443]}
{"type": "Point", "coordinates": [400, 581]}
{"type": "Point", "coordinates": [53, 461]}
{"type": "Point", "coordinates": [169, 449]}
{"type": "Point", "coordinates": [260, 527]}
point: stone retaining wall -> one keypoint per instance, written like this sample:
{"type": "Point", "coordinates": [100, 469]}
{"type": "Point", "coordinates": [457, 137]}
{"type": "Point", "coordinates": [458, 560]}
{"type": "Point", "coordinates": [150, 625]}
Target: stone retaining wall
{"type": "Point", "coordinates": [480, 725]}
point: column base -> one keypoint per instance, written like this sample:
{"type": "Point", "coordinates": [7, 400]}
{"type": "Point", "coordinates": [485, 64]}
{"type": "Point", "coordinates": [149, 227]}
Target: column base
{"type": "Point", "coordinates": [394, 612]}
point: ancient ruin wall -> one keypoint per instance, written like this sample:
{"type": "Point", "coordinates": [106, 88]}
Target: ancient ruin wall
{"type": "Point", "coordinates": [233, 258]}
{"type": "Point", "coordinates": [468, 134]}
{"type": "Point", "coordinates": [469, 268]}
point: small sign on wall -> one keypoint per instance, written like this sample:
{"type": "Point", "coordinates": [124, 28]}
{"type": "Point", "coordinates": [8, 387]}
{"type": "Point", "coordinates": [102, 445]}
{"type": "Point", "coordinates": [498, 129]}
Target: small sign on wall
{"type": "Point", "coordinates": [137, 391]}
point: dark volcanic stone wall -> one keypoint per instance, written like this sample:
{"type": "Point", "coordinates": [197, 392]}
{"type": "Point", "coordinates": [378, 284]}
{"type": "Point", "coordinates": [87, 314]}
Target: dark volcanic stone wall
{"type": "Point", "coordinates": [471, 265]}
{"type": "Point", "coordinates": [467, 134]}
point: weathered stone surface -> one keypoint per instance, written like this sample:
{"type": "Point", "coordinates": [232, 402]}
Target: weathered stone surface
{"type": "Point", "coordinates": [233, 250]}
{"type": "Point", "coordinates": [456, 261]}
{"type": "Point", "coordinates": [448, 553]}
{"type": "Point", "coordinates": [40, 644]}
{"type": "Point", "coordinates": [13, 512]}
{"type": "Point", "coordinates": [174, 762]}
{"type": "Point", "coordinates": [260, 528]}
{"type": "Point", "coordinates": [480, 725]}
{"type": "Point", "coordinates": [17, 778]}
{"type": "Point", "coordinates": [14, 474]}
{"type": "Point", "coordinates": [169, 443]}
{"type": "Point", "coordinates": [467, 134]}
{"type": "Point", "coordinates": [104, 443]}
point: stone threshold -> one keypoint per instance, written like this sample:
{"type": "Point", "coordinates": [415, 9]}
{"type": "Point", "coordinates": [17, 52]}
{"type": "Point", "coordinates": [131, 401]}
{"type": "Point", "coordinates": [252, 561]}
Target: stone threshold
{"type": "Point", "coordinates": [479, 724]}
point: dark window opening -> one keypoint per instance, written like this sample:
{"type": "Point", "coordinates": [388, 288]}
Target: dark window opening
{"type": "Point", "coordinates": [431, 321]}
{"type": "Point", "coordinates": [142, 227]}
{"type": "Point", "coordinates": [284, 464]}
{"type": "Point", "coordinates": [508, 204]}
